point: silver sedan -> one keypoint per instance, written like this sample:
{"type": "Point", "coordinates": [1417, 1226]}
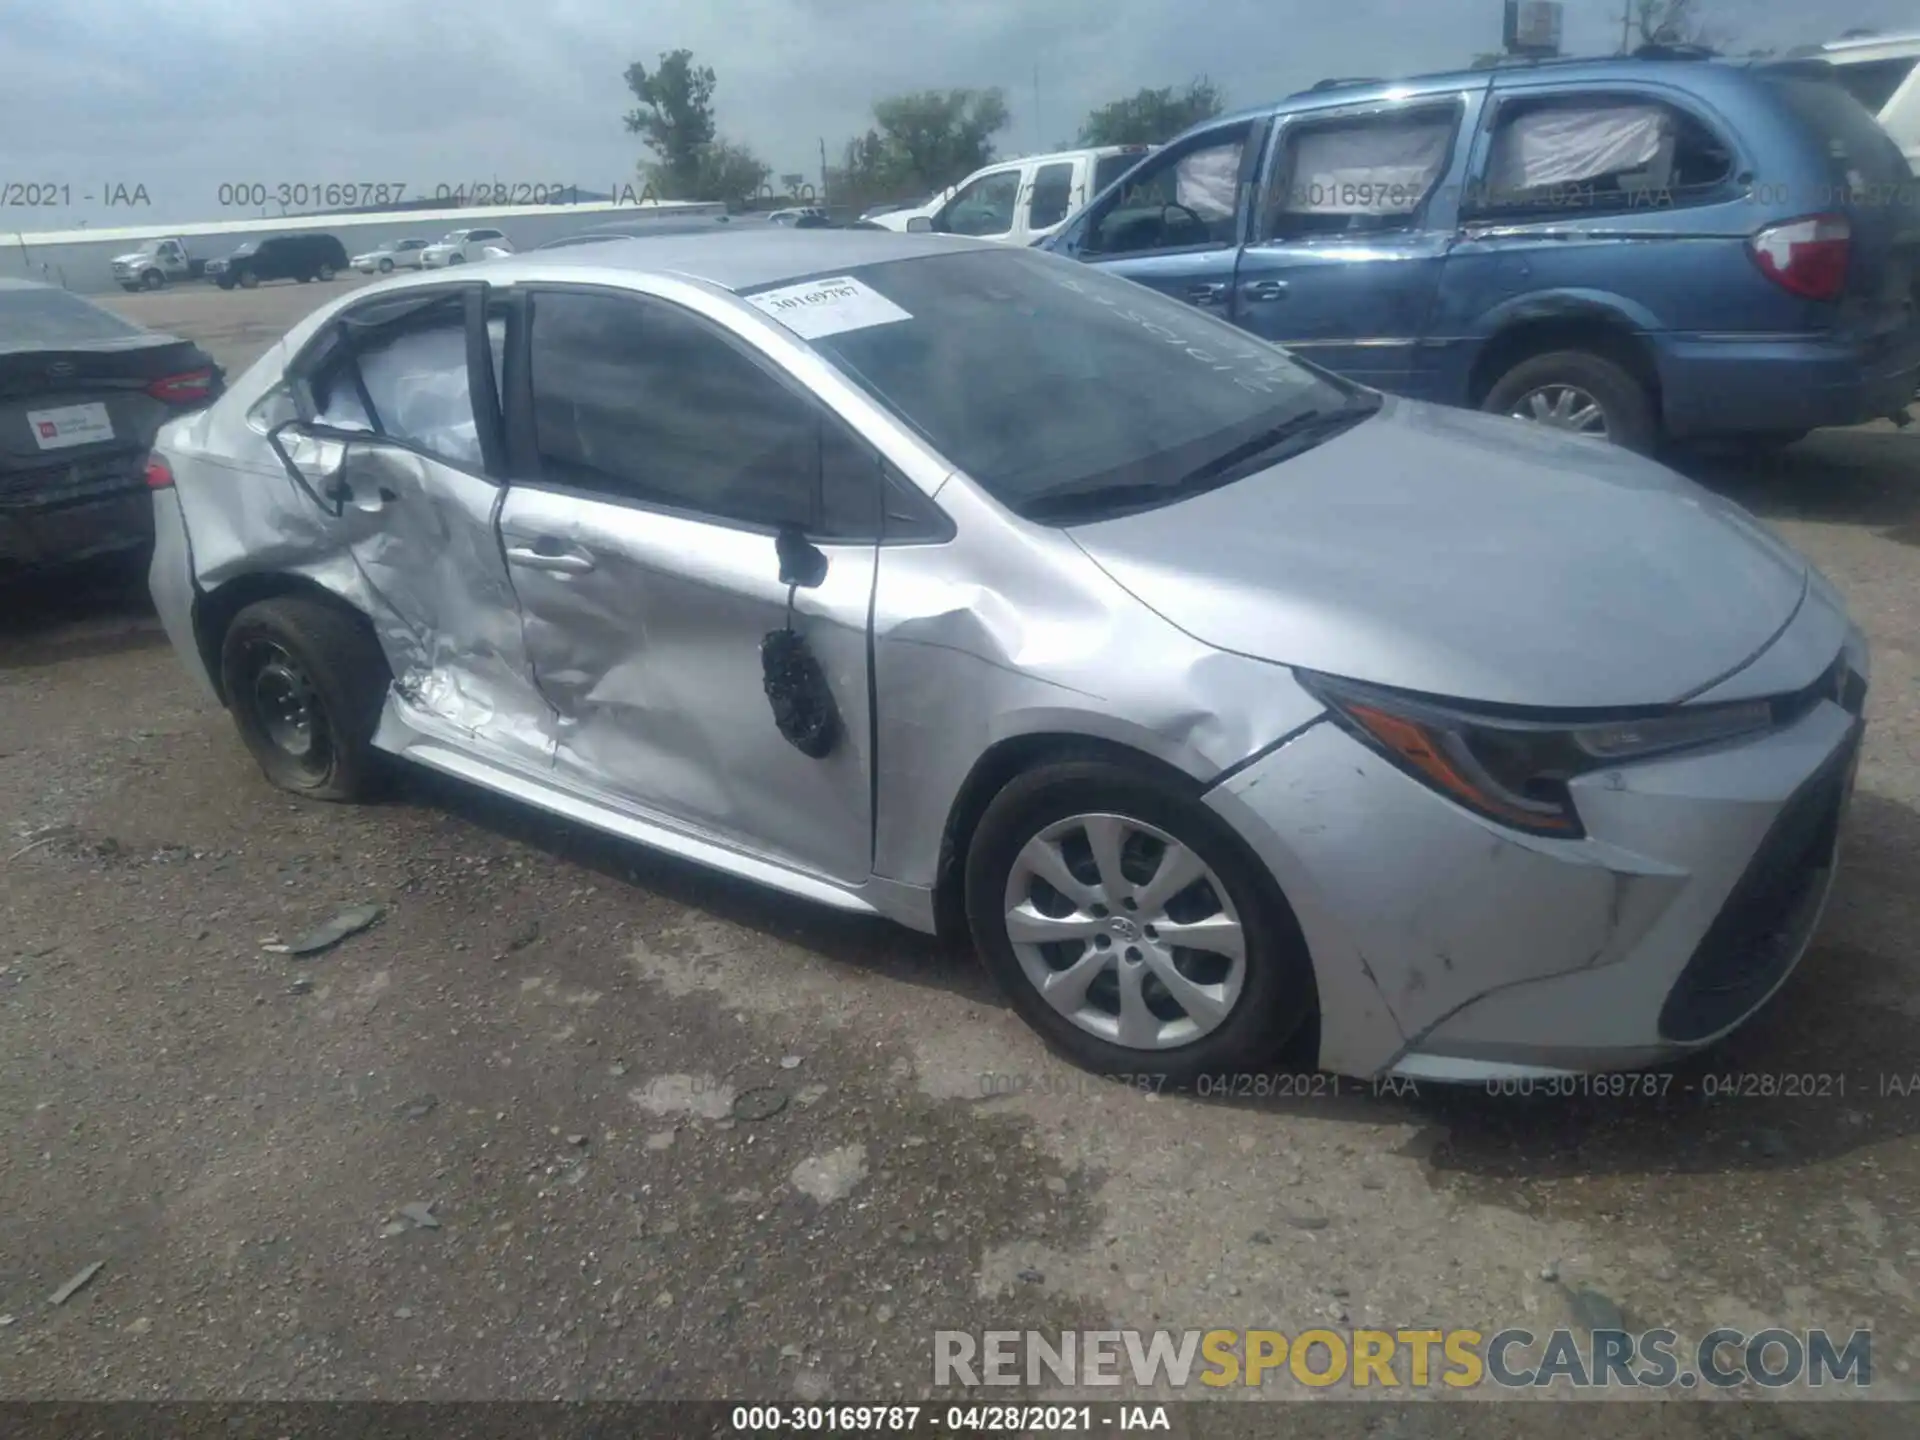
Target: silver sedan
{"type": "Point", "coordinates": [1223, 701]}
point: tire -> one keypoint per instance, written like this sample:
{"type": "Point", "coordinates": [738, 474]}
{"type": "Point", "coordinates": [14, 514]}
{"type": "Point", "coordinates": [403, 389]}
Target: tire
{"type": "Point", "coordinates": [1268, 1000]}
{"type": "Point", "coordinates": [456, 258]}
{"type": "Point", "coordinates": [325, 273]}
{"type": "Point", "coordinates": [386, 267]}
{"type": "Point", "coordinates": [129, 288]}
{"type": "Point", "coordinates": [294, 654]}
{"type": "Point", "coordinates": [153, 280]}
{"type": "Point", "coordinates": [224, 282]}
{"type": "Point", "coordinates": [304, 279]}
{"type": "Point", "coordinates": [248, 280]}
{"type": "Point", "coordinates": [1626, 409]}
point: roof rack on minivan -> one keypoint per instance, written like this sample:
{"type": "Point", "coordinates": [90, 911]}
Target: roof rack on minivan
{"type": "Point", "coordinates": [1341, 82]}
{"type": "Point", "coordinates": [1676, 51]}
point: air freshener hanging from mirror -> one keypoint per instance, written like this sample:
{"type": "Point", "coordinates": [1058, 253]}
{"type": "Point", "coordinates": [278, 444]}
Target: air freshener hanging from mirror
{"type": "Point", "coordinates": [796, 687]}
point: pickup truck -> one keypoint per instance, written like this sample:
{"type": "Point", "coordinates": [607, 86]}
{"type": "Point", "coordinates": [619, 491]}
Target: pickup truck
{"type": "Point", "coordinates": [1020, 202]}
{"type": "Point", "coordinates": [155, 265]}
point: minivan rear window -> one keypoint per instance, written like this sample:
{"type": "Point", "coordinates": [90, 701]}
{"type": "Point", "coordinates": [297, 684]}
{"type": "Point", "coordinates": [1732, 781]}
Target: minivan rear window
{"type": "Point", "coordinates": [1853, 137]}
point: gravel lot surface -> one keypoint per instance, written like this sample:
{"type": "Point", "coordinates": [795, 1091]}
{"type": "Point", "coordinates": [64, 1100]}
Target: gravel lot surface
{"type": "Point", "coordinates": [572, 1119]}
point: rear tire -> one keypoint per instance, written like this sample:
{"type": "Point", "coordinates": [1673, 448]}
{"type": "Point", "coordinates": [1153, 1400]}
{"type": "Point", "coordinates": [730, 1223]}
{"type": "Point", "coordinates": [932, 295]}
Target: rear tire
{"type": "Point", "coordinates": [324, 273]}
{"type": "Point", "coordinates": [1562, 386]}
{"type": "Point", "coordinates": [1241, 1014]}
{"type": "Point", "coordinates": [305, 681]}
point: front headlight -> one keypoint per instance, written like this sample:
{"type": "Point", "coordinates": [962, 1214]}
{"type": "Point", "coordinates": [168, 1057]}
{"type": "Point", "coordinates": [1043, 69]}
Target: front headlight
{"type": "Point", "coordinates": [1516, 771]}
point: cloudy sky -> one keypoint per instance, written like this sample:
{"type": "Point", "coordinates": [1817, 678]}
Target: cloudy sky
{"type": "Point", "coordinates": [182, 96]}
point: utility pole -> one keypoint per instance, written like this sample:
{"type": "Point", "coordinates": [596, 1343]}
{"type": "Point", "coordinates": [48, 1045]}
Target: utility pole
{"type": "Point", "coordinates": [823, 170]}
{"type": "Point", "coordinates": [1626, 28]}
{"type": "Point", "coordinates": [1038, 143]}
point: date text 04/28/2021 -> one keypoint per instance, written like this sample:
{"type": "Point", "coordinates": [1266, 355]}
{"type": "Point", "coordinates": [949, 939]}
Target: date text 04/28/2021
{"type": "Point", "coordinates": [1002, 1419]}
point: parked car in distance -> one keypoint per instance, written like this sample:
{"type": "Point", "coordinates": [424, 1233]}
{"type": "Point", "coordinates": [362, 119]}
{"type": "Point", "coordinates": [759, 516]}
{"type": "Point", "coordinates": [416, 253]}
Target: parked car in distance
{"type": "Point", "coordinates": [1020, 202]}
{"type": "Point", "coordinates": [385, 259]}
{"type": "Point", "coordinates": [1882, 72]}
{"type": "Point", "coordinates": [155, 265]}
{"type": "Point", "coordinates": [82, 394]}
{"type": "Point", "coordinates": [463, 247]}
{"type": "Point", "coordinates": [795, 214]}
{"type": "Point", "coordinates": [1472, 750]}
{"type": "Point", "coordinates": [1638, 249]}
{"type": "Point", "coordinates": [305, 255]}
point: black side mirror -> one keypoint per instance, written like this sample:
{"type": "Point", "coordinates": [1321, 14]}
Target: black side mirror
{"type": "Point", "coordinates": [801, 562]}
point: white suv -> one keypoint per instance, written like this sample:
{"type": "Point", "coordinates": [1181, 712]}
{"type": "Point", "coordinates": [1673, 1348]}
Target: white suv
{"type": "Point", "coordinates": [1882, 74]}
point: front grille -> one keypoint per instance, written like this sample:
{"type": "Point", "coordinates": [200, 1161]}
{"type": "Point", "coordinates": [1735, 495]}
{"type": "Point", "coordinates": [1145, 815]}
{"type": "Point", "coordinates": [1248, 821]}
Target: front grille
{"type": "Point", "coordinates": [1766, 920]}
{"type": "Point", "coordinates": [95, 478]}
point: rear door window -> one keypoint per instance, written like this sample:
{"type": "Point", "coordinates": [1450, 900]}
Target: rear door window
{"type": "Point", "coordinates": [1051, 195]}
{"type": "Point", "coordinates": [402, 374]}
{"type": "Point", "coordinates": [1358, 175]}
{"type": "Point", "coordinates": [1599, 153]}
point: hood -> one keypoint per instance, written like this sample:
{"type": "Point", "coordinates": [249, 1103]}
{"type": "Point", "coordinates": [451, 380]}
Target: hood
{"type": "Point", "coordinates": [131, 257]}
{"type": "Point", "coordinates": [1471, 557]}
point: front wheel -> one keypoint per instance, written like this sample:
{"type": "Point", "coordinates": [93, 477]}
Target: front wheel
{"type": "Point", "coordinates": [1130, 927]}
{"type": "Point", "coordinates": [154, 280]}
{"type": "Point", "coordinates": [456, 259]}
{"type": "Point", "coordinates": [305, 682]}
{"type": "Point", "coordinates": [326, 271]}
{"type": "Point", "coordinates": [1579, 392]}
{"type": "Point", "coordinates": [386, 267]}
{"type": "Point", "coordinates": [248, 280]}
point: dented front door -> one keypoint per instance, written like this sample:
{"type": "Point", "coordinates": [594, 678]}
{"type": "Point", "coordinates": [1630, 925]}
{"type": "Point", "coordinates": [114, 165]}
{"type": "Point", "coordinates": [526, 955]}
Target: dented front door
{"type": "Point", "coordinates": [409, 386]}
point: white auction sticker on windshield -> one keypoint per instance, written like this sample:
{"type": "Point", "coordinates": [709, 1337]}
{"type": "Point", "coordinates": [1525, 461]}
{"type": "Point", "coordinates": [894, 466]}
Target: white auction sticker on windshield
{"type": "Point", "coordinates": [828, 307]}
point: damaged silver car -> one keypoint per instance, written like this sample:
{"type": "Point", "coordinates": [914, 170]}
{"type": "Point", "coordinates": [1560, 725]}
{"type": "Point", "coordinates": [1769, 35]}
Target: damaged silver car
{"type": "Point", "coordinates": [1224, 700]}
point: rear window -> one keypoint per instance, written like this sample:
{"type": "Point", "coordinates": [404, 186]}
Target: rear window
{"type": "Point", "coordinates": [1874, 82]}
{"type": "Point", "coordinates": [53, 317]}
{"type": "Point", "coordinates": [1110, 168]}
{"type": "Point", "coordinates": [1862, 152]}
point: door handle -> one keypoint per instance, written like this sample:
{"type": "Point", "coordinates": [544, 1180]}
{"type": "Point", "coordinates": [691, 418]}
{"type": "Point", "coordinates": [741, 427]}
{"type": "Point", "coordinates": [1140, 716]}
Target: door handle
{"type": "Point", "coordinates": [1267, 290]}
{"type": "Point", "coordinates": [1205, 294]}
{"type": "Point", "coordinates": [573, 562]}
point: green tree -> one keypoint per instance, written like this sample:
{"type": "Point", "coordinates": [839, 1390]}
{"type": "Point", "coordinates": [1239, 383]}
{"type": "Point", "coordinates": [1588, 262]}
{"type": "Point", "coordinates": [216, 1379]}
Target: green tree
{"type": "Point", "coordinates": [931, 138]}
{"type": "Point", "coordinates": [675, 115]}
{"type": "Point", "coordinates": [1152, 117]}
{"type": "Point", "coordinates": [729, 172]}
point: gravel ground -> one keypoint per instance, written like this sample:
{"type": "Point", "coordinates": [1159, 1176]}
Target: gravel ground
{"type": "Point", "coordinates": [575, 1120]}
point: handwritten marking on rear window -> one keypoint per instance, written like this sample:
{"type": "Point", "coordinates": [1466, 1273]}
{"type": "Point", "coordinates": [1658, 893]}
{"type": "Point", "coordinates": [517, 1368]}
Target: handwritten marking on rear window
{"type": "Point", "coordinates": [820, 308]}
{"type": "Point", "coordinates": [1250, 367]}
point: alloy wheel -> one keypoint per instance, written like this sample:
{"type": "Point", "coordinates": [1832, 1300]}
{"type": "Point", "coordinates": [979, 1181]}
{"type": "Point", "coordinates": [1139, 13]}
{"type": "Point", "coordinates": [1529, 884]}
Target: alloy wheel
{"type": "Point", "coordinates": [1563, 407]}
{"type": "Point", "coordinates": [1125, 931]}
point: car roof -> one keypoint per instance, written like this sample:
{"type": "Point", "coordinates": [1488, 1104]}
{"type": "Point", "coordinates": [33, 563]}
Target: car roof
{"type": "Point", "coordinates": [736, 259]}
{"type": "Point", "coordinates": [1688, 69]}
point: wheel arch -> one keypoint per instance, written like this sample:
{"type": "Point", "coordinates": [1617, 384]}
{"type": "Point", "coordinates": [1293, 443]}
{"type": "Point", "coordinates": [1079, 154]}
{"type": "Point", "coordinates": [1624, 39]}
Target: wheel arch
{"type": "Point", "coordinates": [1538, 325]}
{"type": "Point", "coordinates": [214, 611]}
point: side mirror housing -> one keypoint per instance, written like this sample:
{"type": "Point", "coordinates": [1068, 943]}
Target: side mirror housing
{"type": "Point", "coordinates": [801, 562]}
{"type": "Point", "coordinates": [920, 225]}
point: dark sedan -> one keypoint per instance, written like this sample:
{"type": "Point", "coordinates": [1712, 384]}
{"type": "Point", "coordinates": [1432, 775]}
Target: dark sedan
{"type": "Point", "coordinates": [82, 393]}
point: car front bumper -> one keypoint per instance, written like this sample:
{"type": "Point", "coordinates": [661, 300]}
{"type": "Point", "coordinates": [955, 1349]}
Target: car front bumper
{"type": "Point", "coordinates": [1448, 948]}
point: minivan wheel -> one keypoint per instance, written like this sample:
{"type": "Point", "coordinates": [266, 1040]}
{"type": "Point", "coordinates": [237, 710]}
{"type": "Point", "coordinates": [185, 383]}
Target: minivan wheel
{"type": "Point", "coordinates": [1580, 392]}
{"type": "Point", "coordinates": [305, 682]}
{"type": "Point", "coordinates": [248, 279]}
{"type": "Point", "coordinates": [1128, 926]}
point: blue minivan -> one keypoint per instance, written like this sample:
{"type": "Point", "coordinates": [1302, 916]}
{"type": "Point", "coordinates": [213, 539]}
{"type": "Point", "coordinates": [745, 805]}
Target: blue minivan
{"type": "Point", "coordinates": [1641, 249]}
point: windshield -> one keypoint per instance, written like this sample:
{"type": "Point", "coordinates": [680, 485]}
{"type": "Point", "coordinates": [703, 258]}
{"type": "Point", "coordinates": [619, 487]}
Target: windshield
{"type": "Point", "coordinates": [1040, 377]}
{"type": "Point", "coordinates": [54, 317]}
